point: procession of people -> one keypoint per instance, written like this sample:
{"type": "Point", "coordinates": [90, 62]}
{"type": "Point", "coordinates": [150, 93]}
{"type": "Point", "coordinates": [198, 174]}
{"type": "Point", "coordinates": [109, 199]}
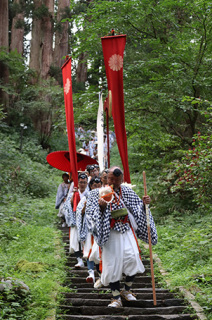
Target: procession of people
{"type": "Point", "coordinates": [105, 218]}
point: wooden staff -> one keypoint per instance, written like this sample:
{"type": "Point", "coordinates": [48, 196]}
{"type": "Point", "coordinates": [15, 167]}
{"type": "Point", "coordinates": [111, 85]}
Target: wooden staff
{"type": "Point", "coordinates": [108, 139]}
{"type": "Point", "coordinates": [150, 243]}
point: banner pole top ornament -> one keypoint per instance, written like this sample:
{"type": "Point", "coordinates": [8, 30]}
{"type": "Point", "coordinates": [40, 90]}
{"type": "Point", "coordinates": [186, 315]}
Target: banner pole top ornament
{"type": "Point", "coordinates": [67, 58]}
{"type": "Point", "coordinates": [112, 33]}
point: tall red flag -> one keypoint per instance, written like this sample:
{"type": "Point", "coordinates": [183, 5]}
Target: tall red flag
{"type": "Point", "coordinates": [67, 85]}
{"type": "Point", "coordinates": [113, 51]}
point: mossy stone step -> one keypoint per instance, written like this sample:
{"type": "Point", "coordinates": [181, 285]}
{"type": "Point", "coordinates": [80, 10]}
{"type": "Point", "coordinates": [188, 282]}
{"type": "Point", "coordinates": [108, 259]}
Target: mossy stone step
{"type": "Point", "coordinates": [129, 317]}
{"type": "Point", "coordinates": [107, 295]}
{"type": "Point", "coordinates": [139, 303]}
{"type": "Point", "coordinates": [138, 279]}
{"type": "Point", "coordinates": [99, 310]}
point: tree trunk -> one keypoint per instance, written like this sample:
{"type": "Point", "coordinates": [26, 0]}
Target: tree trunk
{"type": "Point", "coordinates": [47, 36]}
{"type": "Point", "coordinates": [4, 18]}
{"type": "Point", "coordinates": [17, 31]}
{"type": "Point", "coordinates": [81, 72]}
{"type": "Point", "coordinates": [42, 38]}
{"type": "Point", "coordinates": [41, 59]}
{"type": "Point", "coordinates": [4, 72]}
{"type": "Point", "coordinates": [61, 34]}
{"type": "Point", "coordinates": [36, 42]}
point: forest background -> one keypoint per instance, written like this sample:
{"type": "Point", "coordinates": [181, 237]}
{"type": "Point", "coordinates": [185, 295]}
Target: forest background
{"type": "Point", "coordinates": [168, 109]}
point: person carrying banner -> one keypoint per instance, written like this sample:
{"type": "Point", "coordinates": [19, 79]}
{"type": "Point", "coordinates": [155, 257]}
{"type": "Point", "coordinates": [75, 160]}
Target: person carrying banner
{"type": "Point", "coordinates": [84, 236]}
{"type": "Point", "coordinates": [116, 237]}
{"type": "Point", "coordinates": [70, 216]}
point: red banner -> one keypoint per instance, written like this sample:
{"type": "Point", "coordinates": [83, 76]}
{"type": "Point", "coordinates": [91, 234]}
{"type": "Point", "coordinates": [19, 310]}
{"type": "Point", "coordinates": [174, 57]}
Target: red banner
{"type": "Point", "coordinates": [67, 85]}
{"type": "Point", "coordinates": [113, 51]}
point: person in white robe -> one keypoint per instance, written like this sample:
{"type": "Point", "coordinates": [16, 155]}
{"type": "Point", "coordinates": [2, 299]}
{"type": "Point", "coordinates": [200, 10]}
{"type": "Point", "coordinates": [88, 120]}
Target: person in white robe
{"type": "Point", "coordinates": [85, 237]}
{"type": "Point", "coordinates": [115, 235]}
{"type": "Point", "coordinates": [70, 217]}
{"type": "Point", "coordinates": [62, 192]}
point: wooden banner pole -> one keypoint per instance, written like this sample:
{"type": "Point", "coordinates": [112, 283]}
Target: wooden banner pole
{"type": "Point", "coordinates": [150, 243]}
{"type": "Point", "coordinates": [108, 139]}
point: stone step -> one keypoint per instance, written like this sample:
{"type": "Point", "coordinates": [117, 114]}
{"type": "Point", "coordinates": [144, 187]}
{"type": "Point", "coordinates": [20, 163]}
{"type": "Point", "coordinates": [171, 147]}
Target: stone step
{"type": "Point", "coordinates": [107, 295]}
{"type": "Point", "coordinates": [138, 279]}
{"type": "Point", "coordinates": [65, 230]}
{"type": "Point", "coordinates": [71, 261]}
{"type": "Point", "coordinates": [83, 302]}
{"type": "Point", "coordinates": [129, 317]}
{"type": "Point", "coordinates": [84, 272]}
{"type": "Point", "coordinates": [66, 248]}
{"type": "Point", "coordinates": [107, 290]}
{"type": "Point", "coordinates": [84, 284]}
{"type": "Point", "coordinates": [99, 310]}
{"type": "Point", "coordinates": [139, 303]}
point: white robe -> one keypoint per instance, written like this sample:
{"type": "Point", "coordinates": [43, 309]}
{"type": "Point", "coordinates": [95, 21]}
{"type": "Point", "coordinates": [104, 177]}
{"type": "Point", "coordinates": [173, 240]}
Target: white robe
{"type": "Point", "coordinates": [120, 255]}
{"type": "Point", "coordinates": [73, 234]}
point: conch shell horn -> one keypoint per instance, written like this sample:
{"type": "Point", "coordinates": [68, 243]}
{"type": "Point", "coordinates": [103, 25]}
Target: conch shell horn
{"type": "Point", "coordinates": [107, 194]}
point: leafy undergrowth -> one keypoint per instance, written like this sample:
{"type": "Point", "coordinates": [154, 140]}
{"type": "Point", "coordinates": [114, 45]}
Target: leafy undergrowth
{"type": "Point", "coordinates": [31, 251]}
{"type": "Point", "coordinates": [184, 246]}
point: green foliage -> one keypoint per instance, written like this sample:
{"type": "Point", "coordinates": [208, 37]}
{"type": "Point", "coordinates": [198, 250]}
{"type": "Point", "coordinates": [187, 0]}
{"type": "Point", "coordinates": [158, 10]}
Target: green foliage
{"type": "Point", "coordinates": [14, 298]}
{"type": "Point", "coordinates": [20, 171]}
{"type": "Point", "coordinates": [31, 249]}
{"type": "Point", "coordinates": [194, 173]}
{"type": "Point", "coordinates": [88, 102]}
{"type": "Point", "coordinates": [167, 83]}
{"type": "Point", "coordinates": [167, 44]}
{"type": "Point", "coordinates": [184, 247]}
{"type": "Point", "coordinates": [18, 76]}
{"type": "Point", "coordinates": [41, 12]}
{"type": "Point", "coordinates": [2, 114]}
{"type": "Point", "coordinates": [27, 233]}
{"type": "Point", "coordinates": [34, 105]}
{"type": "Point", "coordinates": [34, 151]}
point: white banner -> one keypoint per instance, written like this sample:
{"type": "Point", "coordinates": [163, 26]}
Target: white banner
{"type": "Point", "coordinates": [100, 133]}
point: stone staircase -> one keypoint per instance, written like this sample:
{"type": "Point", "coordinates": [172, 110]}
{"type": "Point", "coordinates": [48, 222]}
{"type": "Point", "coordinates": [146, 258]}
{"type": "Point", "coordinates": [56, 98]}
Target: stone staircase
{"type": "Point", "coordinates": [86, 303]}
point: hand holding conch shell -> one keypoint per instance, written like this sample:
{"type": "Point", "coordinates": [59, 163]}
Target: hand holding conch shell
{"type": "Point", "coordinates": [105, 196]}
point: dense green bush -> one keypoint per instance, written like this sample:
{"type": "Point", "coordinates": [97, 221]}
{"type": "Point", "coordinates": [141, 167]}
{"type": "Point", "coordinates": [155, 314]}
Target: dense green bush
{"type": "Point", "coordinates": [193, 174]}
{"type": "Point", "coordinates": [23, 173]}
{"type": "Point", "coordinates": [14, 298]}
{"type": "Point", "coordinates": [184, 246]}
{"type": "Point", "coordinates": [28, 235]}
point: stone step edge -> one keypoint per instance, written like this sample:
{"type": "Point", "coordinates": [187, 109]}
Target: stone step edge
{"type": "Point", "coordinates": [99, 308]}
{"type": "Point", "coordinates": [144, 317]}
{"type": "Point", "coordinates": [149, 302]}
{"type": "Point", "coordinates": [187, 295]}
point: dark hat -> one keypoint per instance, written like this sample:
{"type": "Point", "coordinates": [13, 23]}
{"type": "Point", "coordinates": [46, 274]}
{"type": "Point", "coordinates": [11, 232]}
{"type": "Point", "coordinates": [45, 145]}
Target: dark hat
{"type": "Point", "coordinates": [82, 176]}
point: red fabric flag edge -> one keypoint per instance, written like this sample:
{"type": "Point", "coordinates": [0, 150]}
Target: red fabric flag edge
{"type": "Point", "coordinates": [67, 86]}
{"type": "Point", "coordinates": [113, 51]}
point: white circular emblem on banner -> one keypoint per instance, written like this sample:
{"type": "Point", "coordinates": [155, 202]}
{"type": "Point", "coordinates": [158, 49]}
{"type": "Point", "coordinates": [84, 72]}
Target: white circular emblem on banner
{"type": "Point", "coordinates": [67, 86]}
{"type": "Point", "coordinates": [115, 62]}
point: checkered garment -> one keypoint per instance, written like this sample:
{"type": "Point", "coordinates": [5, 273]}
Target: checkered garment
{"type": "Point", "coordinates": [70, 215]}
{"type": "Point", "coordinates": [99, 222]}
{"type": "Point", "coordinates": [81, 221]}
